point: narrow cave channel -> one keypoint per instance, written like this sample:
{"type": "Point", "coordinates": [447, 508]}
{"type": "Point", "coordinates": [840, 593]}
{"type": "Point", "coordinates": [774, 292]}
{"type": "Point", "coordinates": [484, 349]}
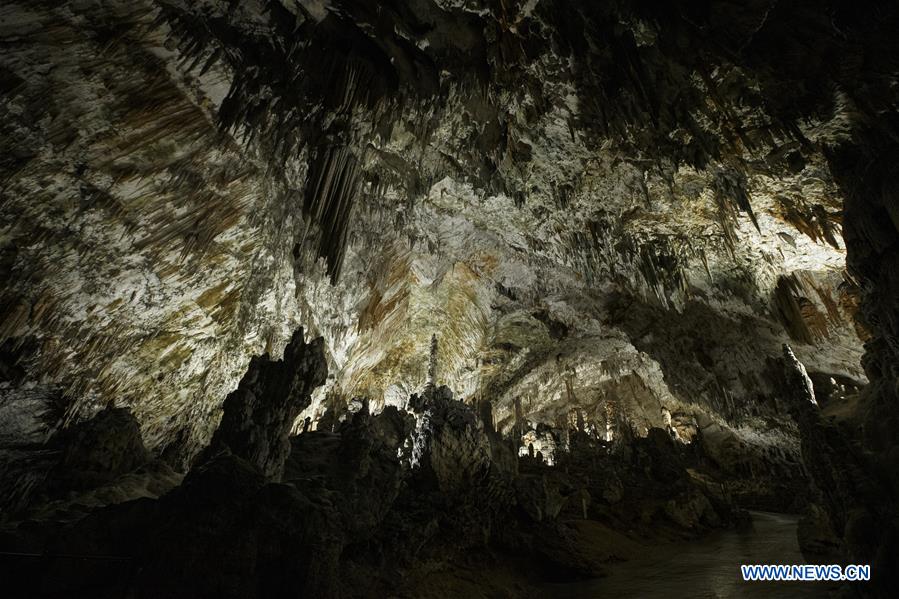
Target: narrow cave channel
{"type": "Point", "coordinates": [449, 298]}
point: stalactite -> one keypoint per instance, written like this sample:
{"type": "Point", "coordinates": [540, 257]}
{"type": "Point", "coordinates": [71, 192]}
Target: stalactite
{"type": "Point", "coordinates": [206, 215]}
{"type": "Point", "coordinates": [731, 196]}
{"type": "Point", "coordinates": [814, 221]}
{"type": "Point", "coordinates": [333, 184]}
{"type": "Point", "coordinates": [787, 304]}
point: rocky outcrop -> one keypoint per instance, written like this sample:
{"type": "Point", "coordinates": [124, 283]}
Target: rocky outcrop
{"type": "Point", "coordinates": [359, 513]}
{"type": "Point", "coordinates": [850, 493]}
{"type": "Point", "coordinates": [257, 417]}
{"type": "Point", "coordinates": [863, 167]}
{"type": "Point", "coordinates": [100, 449]}
{"type": "Point", "coordinates": [450, 441]}
{"type": "Point", "coordinates": [817, 539]}
{"type": "Point", "coordinates": [89, 464]}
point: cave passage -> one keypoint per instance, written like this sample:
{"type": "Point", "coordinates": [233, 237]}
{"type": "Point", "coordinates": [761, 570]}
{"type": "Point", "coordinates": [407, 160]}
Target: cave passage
{"type": "Point", "coordinates": [447, 298]}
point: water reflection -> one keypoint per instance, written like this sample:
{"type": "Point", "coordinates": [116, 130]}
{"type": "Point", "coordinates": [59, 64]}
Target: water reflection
{"type": "Point", "coordinates": [707, 569]}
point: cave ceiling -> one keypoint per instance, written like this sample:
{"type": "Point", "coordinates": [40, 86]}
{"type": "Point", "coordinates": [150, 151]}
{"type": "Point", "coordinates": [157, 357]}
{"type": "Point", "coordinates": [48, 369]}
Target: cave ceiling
{"type": "Point", "coordinates": [627, 199]}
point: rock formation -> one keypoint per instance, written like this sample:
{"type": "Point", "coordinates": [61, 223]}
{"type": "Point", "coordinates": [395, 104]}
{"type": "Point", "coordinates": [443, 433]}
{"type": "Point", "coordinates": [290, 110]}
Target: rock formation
{"type": "Point", "coordinates": [258, 416]}
{"type": "Point", "coordinates": [557, 187]}
{"type": "Point", "coordinates": [349, 502]}
{"type": "Point", "coordinates": [612, 215]}
{"type": "Point", "coordinates": [854, 517]}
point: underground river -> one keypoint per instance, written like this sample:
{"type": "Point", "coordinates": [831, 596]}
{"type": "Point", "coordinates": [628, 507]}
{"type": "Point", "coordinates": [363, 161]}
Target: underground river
{"type": "Point", "coordinates": [707, 568]}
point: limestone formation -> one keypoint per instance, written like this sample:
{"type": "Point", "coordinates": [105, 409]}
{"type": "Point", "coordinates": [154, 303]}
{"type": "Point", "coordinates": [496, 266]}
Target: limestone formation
{"type": "Point", "coordinates": [656, 244]}
{"type": "Point", "coordinates": [100, 449]}
{"type": "Point", "coordinates": [257, 417]}
{"type": "Point", "coordinates": [450, 441]}
{"type": "Point", "coordinates": [849, 490]}
{"type": "Point", "coordinates": [517, 201]}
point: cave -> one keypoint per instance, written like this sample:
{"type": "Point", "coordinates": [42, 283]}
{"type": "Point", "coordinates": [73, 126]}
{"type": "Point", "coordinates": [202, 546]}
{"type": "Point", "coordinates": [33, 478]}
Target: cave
{"type": "Point", "coordinates": [448, 298]}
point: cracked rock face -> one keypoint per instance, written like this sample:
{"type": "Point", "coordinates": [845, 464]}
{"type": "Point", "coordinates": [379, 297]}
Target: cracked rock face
{"type": "Point", "coordinates": [185, 183]}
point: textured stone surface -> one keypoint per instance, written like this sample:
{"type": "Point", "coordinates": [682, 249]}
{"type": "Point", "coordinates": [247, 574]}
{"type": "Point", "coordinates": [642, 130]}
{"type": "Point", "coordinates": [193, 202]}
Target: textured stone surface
{"type": "Point", "coordinates": [89, 464]}
{"type": "Point", "coordinates": [450, 442]}
{"type": "Point", "coordinates": [558, 157]}
{"type": "Point", "coordinates": [104, 447]}
{"type": "Point", "coordinates": [851, 493]}
{"type": "Point", "coordinates": [258, 416]}
{"type": "Point", "coordinates": [612, 215]}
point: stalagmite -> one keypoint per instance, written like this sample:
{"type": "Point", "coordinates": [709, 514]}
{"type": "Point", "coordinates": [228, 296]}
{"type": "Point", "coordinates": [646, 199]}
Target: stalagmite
{"type": "Point", "coordinates": [258, 416]}
{"type": "Point", "coordinates": [432, 363]}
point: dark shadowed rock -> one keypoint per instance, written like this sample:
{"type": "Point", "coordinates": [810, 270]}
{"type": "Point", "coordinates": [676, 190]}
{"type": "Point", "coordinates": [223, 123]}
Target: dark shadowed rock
{"type": "Point", "coordinates": [98, 450]}
{"type": "Point", "coordinates": [450, 441]}
{"type": "Point", "coordinates": [853, 515]}
{"type": "Point", "coordinates": [258, 415]}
